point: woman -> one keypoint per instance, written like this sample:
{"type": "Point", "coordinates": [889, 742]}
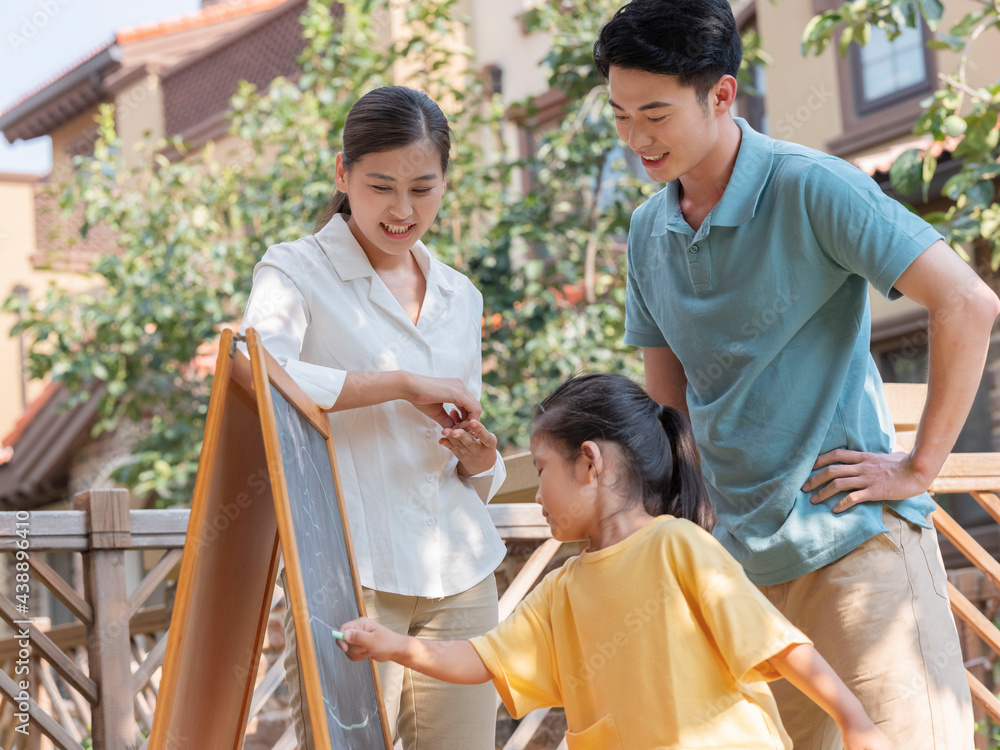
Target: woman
{"type": "Point", "coordinates": [388, 341]}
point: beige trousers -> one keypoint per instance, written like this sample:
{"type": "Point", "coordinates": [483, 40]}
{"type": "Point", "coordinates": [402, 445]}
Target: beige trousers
{"type": "Point", "coordinates": [425, 713]}
{"type": "Point", "coordinates": [880, 615]}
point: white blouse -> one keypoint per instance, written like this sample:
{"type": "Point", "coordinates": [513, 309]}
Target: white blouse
{"type": "Point", "coordinates": [418, 527]}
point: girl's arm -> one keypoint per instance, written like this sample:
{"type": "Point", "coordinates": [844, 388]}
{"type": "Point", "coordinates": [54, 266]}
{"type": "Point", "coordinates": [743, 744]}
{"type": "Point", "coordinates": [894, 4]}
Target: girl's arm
{"type": "Point", "coordinates": [450, 661]}
{"type": "Point", "coordinates": [802, 665]}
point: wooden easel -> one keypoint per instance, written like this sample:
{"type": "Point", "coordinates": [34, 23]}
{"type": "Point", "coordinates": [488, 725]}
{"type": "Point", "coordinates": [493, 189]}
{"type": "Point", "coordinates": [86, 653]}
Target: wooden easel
{"type": "Point", "coordinates": [231, 559]}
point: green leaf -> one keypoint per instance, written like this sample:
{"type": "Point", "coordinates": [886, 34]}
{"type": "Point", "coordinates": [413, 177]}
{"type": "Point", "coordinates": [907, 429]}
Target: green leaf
{"type": "Point", "coordinates": [906, 172]}
{"type": "Point", "coordinates": [932, 10]}
{"type": "Point", "coordinates": [846, 37]}
{"type": "Point", "coordinates": [945, 42]}
{"type": "Point", "coordinates": [990, 223]}
{"type": "Point", "coordinates": [954, 125]}
{"type": "Point", "coordinates": [927, 173]}
{"type": "Point", "coordinates": [980, 194]}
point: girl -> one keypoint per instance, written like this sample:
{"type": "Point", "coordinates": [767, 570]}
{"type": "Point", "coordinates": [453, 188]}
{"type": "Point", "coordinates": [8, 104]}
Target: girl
{"type": "Point", "coordinates": [653, 637]}
{"type": "Point", "coordinates": [387, 340]}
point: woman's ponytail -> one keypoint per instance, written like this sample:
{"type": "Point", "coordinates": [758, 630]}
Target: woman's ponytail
{"type": "Point", "coordinates": [340, 204]}
{"type": "Point", "coordinates": [684, 494]}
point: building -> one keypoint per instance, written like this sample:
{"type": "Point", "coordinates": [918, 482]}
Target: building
{"type": "Point", "coordinates": [174, 77]}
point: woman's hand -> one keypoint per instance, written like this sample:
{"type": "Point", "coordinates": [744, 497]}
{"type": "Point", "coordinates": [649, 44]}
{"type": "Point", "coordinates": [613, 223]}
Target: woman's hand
{"type": "Point", "coordinates": [430, 395]}
{"type": "Point", "coordinates": [474, 446]}
{"type": "Point", "coordinates": [366, 639]}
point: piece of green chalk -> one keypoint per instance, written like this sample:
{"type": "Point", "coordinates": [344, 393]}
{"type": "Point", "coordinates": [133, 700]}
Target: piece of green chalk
{"type": "Point", "coordinates": [337, 634]}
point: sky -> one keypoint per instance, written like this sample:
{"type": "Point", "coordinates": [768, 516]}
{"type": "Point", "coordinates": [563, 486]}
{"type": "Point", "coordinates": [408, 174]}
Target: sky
{"type": "Point", "coordinates": [41, 38]}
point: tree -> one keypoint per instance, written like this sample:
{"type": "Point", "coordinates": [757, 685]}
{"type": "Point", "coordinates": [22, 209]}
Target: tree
{"type": "Point", "coordinates": [190, 230]}
{"type": "Point", "coordinates": [562, 310]}
{"type": "Point", "coordinates": [549, 262]}
{"type": "Point", "coordinates": [956, 110]}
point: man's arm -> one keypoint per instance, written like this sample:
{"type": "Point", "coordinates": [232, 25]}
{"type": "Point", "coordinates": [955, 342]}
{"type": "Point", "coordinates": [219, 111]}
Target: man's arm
{"type": "Point", "coordinates": [666, 382]}
{"type": "Point", "coordinates": [961, 310]}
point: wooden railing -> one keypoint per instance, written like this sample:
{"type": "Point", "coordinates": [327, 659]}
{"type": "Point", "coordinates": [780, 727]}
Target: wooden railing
{"type": "Point", "coordinates": [977, 474]}
{"type": "Point", "coordinates": [98, 678]}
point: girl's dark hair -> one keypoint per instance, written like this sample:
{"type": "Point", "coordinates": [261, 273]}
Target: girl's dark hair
{"type": "Point", "coordinates": [657, 448]}
{"type": "Point", "coordinates": [385, 119]}
{"type": "Point", "coordinates": [695, 40]}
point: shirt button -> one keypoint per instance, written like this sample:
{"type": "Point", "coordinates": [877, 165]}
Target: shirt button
{"type": "Point", "coordinates": [429, 521]}
{"type": "Point", "coordinates": [429, 478]}
{"type": "Point", "coordinates": [429, 432]}
{"type": "Point", "coordinates": [420, 347]}
{"type": "Point", "coordinates": [694, 249]}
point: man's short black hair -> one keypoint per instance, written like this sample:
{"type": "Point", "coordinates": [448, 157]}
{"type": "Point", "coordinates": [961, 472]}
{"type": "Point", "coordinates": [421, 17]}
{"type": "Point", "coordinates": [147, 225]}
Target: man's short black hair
{"type": "Point", "coordinates": [695, 40]}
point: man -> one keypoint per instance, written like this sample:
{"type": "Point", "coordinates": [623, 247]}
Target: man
{"type": "Point", "coordinates": [747, 289]}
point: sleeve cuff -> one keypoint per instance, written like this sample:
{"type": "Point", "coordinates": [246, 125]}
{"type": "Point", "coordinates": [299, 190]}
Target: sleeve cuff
{"type": "Point", "coordinates": [487, 483]}
{"type": "Point", "coordinates": [762, 669]}
{"type": "Point", "coordinates": [482, 646]}
{"type": "Point", "coordinates": [322, 384]}
{"type": "Point", "coordinates": [650, 340]}
{"type": "Point", "coordinates": [885, 283]}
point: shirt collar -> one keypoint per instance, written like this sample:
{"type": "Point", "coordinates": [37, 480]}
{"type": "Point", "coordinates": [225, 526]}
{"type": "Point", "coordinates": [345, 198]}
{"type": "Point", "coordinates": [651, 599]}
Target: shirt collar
{"type": "Point", "coordinates": [739, 201]}
{"type": "Point", "coordinates": [349, 259]}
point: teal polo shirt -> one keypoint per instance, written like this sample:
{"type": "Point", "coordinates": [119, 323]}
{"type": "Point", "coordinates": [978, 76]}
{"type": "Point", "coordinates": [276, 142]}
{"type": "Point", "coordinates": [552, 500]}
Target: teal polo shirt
{"type": "Point", "coordinates": [766, 307]}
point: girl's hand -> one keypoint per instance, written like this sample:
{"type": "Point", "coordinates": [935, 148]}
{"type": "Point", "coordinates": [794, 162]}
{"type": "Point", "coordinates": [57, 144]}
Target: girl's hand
{"type": "Point", "coordinates": [474, 446]}
{"type": "Point", "coordinates": [430, 395]}
{"type": "Point", "coordinates": [802, 665]}
{"type": "Point", "coordinates": [366, 639]}
{"type": "Point", "coordinates": [865, 738]}
{"type": "Point", "coordinates": [451, 661]}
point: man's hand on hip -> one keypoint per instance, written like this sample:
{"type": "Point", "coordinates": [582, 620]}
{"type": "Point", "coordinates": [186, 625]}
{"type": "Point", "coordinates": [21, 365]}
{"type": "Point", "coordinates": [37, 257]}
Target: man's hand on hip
{"type": "Point", "coordinates": [865, 476]}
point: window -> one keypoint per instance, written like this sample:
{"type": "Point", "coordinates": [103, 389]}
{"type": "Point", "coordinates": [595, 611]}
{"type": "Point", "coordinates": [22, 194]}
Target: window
{"type": "Point", "coordinates": [881, 86]}
{"type": "Point", "coordinates": [887, 72]}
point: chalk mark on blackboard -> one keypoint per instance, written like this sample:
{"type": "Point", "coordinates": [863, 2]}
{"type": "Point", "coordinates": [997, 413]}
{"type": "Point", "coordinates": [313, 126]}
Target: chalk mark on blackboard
{"type": "Point", "coordinates": [326, 569]}
{"type": "Point", "coordinates": [348, 727]}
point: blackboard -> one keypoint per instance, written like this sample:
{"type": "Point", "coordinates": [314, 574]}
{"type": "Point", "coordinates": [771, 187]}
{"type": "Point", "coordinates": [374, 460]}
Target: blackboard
{"type": "Point", "coordinates": [267, 484]}
{"type": "Point", "coordinates": [350, 701]}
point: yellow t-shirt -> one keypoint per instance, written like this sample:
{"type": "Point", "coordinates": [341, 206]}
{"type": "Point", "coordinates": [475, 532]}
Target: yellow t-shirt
{"type": "Point", "coordinates": [659, 641]}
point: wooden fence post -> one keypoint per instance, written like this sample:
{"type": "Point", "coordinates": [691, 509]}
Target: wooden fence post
{"type": "Point", "coordinates": [34, 691]}
{"type": "Point", "coordinates": [108, 640]}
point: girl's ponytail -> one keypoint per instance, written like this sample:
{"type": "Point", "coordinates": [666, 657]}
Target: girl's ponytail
{"type": "Point", "coordinates": [683, 494]}
{"type": "Point", "coordinates": [659, 457]}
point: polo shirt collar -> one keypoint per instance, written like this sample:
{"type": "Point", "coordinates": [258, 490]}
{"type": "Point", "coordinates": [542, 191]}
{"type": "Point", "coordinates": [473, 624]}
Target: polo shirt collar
{"type": "Point", "coordinates": [750, 175]}
{"type": "Point", "coordinates": [349, 259]}
{"type": "Point", "coordinates": [739, 201]}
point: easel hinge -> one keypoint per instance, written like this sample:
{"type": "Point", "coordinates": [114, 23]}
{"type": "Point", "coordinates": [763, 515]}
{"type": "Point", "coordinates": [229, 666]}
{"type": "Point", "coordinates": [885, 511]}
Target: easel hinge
{"type": "Point", "coordinates": [232, 344]}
